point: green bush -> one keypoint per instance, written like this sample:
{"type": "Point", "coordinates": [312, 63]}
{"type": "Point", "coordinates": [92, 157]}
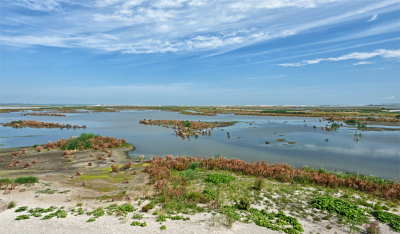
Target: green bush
{"type": "Point", "coordinates": [217, 178]}
{"type": "Point", "coordinates": [194, 165]}
{"type": "Point", "coordinates": [244, 203]}
{"type": "Point", "coordinates": [127, 208]}
{"type": "Point", "coordinates": [161, 218]}
{"type": "Point", "coordinates": [25, 180]}
{"type": "Point", "coordinates": [163, 227]}
{"type": "Point", "coordinates": [6, 180]}
{"type": "Point", "coordinates": [259, 184]}
{"type": "Point", "coordinates": [146, 208]}
{"type": "Point", "coordinates": [83, 139]}
{"type": "Point", "coordinates": [209, 194]}
{"type": "Point", "coordinates": [190, 174]}
{"type": "Point", "coordinates": [135, 223]}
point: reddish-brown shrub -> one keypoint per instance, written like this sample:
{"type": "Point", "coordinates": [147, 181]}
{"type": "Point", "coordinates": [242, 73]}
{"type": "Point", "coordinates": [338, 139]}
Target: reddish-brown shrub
{"type": "Point", "coordinates": [39, 148]}
{"type": "Point", "coordinates": [128, 165]}
{"type": "Point", "coordinates": [114, 168]}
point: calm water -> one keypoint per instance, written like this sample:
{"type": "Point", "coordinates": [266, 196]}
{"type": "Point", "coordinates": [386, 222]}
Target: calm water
{"type": "Point", "coordinates": [376, 153]}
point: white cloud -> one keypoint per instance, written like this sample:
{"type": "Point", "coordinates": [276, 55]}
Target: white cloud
{"type": "Point", "coordinates": [360, 56]}
{"type": "Point", "coordinates": [39, 5]}
{"type": "Point", "coordinates": [373, 18]}
{"type": "Point", "coordinates": [391, 97]}
{"type": "Point", "coordinates": [144, 26]}
{"type": "Point", "coordinates": [362, 63]}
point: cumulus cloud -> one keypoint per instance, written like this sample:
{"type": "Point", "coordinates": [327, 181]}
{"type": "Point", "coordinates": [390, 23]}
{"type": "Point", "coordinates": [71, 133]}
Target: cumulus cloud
{"type": "Point", "coordinates": [391, 97]}
{"type": "Point", "coordinates": [358, 55]}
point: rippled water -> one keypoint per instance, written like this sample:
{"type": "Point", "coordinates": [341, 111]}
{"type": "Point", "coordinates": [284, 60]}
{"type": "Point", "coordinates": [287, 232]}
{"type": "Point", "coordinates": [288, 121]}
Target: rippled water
{"type": "Point", "coordinates": [376, 153]}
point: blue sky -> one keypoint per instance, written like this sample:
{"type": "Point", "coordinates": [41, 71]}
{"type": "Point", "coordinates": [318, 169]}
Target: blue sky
{"type": "Point", "coordinates": [200, 52]}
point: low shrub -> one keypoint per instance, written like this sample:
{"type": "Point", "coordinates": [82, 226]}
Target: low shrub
{"type": "Point", "coordinates": [259, 184]}
{"type": "Point", "coordinates": [385, 217]}
{"type": "Point", "coordinates": [194, 165]}
{"type": "Point", "coordinates": [22, 208]}
{"type": "Point", "coordinates": [146, 208]}
{"type": "Point", "coordinates": [243, 204]}
{"type": "Point", "coordinates": [22, 217]}
{"type": "Point", "coordinates": [217, 178]}
{"type": "Point", "coordinates": [25, 180]}
{"type": "Point", "coordinates": [6, 180]}
{"type": "Point", "coordinates": [339, 206]}
{"type": "Point", "coordinates": [11, 205]}
{"type": "Point", "coordinates": [209, 194]}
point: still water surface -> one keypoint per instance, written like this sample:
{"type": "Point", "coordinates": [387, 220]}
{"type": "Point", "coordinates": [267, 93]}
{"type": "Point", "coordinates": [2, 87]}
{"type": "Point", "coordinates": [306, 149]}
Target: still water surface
{"type": "Point", "coordinates": [376, 153]}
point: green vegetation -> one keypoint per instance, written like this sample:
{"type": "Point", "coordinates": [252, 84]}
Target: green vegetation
{"type": "Point", "coordinates": [135, 223]}
{"type": "Point", "coordinates": [194, 165]}
{"type": "Point", "coordinates": [351, 121]}
{"type": "Point", "coordinates": [47, 191]}
{"type": "Point", "coordinates": [259, 184]}
{"type": "Point", "coordinates": [163, 227]}
{"type": "Point", "coordinates": [161, 218]}
{"type": "Point", "coordinates": [11, 205]}
{"type": "Point", "coordinates": [26, 180]}
{"type": "Point", "coordinates": [83, 140]}
{"type": "Point", "coordinates": [6, 180]}
{"type": "Point", "coordinates": [21, 217]}
{"type": "Point", "coordinates": [137, 216]}
{"type": "Point", "coordinates": [187, 123]}
{"type": "Point", "coordinates": [16, 122]}
{"type": "Point", "coordinates": [217, 178]}
{"type": "Point", "coordinates": [59, 214]}
{"type": "Point", "coordinates": [339, 206]}
{"type": "Point", "coordinates": [385, 217]}
{"type": "Point", "coordinates": [335, 125]}
{"type": "Point", "coordinates": [22, 208]}
{"type": "Point", "coordinates": [209, 194]}
{"type": "Point", "coordinates": [243, 204]}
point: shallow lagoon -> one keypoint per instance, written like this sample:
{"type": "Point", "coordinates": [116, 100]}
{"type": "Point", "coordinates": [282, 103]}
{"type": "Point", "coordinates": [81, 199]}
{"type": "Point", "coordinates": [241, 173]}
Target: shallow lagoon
{"type": "Point", "coordinates": [376, 153]}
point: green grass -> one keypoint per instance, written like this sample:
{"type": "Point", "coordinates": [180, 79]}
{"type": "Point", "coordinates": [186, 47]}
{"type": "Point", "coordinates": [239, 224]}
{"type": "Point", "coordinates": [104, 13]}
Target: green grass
{"type": "Point", "coordinates": [83, 139]}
